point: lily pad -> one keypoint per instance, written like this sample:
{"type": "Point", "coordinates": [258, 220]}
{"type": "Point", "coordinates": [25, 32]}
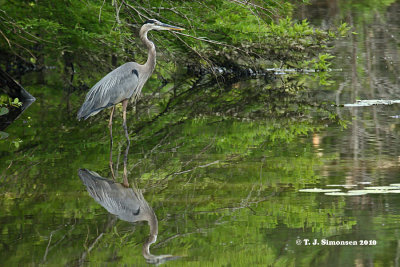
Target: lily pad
{"type": "Point", "coordinates": [346, 193]}
{"type": "Point", "coordinates": [341, 185]}
{"type": "Point", "coordinates": [3, 111]}
{"type": "Point", "coordinates": [367, 103]}
{"type": "Point", "coordinates": [371, 191]}
{"type": "Point", "coordinates": [318, 190]}
{"type": "Point", "coordinates": [381, 188]}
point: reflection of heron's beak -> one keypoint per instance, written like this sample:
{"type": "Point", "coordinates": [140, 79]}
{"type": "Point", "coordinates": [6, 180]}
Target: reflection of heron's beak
{"type": "Point", "coordinates": [170, 27]}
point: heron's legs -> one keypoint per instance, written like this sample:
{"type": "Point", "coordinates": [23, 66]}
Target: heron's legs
{"type": "Point", "coordinates": [111, 142]}
{"type": "Point", "coordinates": [124, 105]}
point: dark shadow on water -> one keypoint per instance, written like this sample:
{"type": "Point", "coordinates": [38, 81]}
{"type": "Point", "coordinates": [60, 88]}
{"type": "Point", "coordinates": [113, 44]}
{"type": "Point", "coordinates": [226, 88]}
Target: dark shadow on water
{"type": "Point", "coordinates": [127, 204]}
{"type": "Point", "coordinates": [14, 90]}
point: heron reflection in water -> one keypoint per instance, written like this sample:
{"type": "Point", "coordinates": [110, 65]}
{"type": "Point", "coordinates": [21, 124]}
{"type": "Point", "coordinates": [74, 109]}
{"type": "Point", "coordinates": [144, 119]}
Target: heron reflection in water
{"type": "Point", "coordinates": [123, 83]}
{"type": "Point", "coordinates": [127, 204]}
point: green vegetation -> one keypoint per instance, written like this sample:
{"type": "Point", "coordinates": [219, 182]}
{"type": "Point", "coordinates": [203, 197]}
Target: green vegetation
{"type": "Point", "coordinates": [204, 177]}
{"type": "Point", "coordinates": [205, 169]}
{"type": "Point", "coordinates": [188, 133]}
{"type": "Point", "coordinates": [221, 156]}
{"type": "Point", "coordinates": [7, 101]}
{"type": "Point", "coordinates": [83, 40]}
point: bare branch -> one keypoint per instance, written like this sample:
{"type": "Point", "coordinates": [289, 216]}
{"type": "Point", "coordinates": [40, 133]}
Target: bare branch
{"type": "Point", "coordinates": [8, 41]}
{"type": "Point", "coordinates": [101, 9]}
{"type": "Point", "coordinates": [205, 39]}
{"type": "Point", "coordinates": [137, 11]}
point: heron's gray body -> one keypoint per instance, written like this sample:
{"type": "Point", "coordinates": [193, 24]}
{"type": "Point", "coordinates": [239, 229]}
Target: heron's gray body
{"type": "Point", "coordinates": [122, 83]}
{"type": "Point", "coordinates": [126, 81]}
{"type": "Point", "coordinates": [127, 204]}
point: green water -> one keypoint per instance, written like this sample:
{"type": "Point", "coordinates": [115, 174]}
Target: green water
{"type": "Point", "coordinates": [223, 181]}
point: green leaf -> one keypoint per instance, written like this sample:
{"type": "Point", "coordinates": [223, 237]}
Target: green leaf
{"type": "Point", "coordinates": [3, 135]}
{"type": "Point", "coordinates": [16, 145]}
{"type": "Point", "coordinates": [3, 111]}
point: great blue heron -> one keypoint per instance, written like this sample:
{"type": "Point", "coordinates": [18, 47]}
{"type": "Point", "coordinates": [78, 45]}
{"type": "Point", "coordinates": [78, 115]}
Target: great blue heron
{"type": "Point", "coordinates": [123, 83]}
{"type": "Point", "coordinates": [127, 204]}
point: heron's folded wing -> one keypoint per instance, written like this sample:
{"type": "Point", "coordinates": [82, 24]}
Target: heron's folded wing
{"type": "Point", "coordinates": [116, 86]}
{"type": "Point", "coordinates": [115, 198]}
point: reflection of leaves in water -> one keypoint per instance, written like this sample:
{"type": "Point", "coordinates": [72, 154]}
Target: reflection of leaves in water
{"type": "Point", "coordinates": [248, 101]}
{"type": "Point", "coordinates": [210, 153]}
{"type": "Point", "coordinates": [127, 204]}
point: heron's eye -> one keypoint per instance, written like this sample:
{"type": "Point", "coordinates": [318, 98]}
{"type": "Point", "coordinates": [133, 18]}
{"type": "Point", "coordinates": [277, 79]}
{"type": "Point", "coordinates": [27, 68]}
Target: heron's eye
{"type": "Point", "coordinates": [137, 212]}
{"type": "Point", "coordinates": [135, 72]}
{"type": "Point", "coordinates": [150, 21]}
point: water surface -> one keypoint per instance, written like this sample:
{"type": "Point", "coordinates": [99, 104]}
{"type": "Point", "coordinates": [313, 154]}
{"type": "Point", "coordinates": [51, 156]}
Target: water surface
{"type": "Point", "coordinates": [224, 188]}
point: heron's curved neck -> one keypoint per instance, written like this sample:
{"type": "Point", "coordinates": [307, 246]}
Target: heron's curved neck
{"type": "Point", "coordinates": [153, 223]}
{"type": "Point", "coordinates": [151, 58]}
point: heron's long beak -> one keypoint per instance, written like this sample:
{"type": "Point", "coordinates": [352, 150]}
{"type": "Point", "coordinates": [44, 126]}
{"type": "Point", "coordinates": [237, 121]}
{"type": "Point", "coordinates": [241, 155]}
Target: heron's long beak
{"type": "Point", "coordinates": [170, 27]}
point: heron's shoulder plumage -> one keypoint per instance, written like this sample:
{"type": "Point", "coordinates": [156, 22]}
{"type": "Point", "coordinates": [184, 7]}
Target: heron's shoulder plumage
{"type": "Point", "coordinates": [128, 204]}
{"type": "Point", "coordinates": [119, 84]}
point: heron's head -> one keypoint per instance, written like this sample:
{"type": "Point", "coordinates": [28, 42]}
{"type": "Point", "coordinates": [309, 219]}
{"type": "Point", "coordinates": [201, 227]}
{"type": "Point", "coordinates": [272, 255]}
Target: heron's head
{"type": "Point", "coordinates": [153, 24]}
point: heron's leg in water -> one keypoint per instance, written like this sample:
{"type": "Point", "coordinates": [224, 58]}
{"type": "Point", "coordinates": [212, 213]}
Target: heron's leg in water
{"type": "Point", "coordinates": [124, 105]}
{"type": "Point", "coordinates": [111, 142]}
